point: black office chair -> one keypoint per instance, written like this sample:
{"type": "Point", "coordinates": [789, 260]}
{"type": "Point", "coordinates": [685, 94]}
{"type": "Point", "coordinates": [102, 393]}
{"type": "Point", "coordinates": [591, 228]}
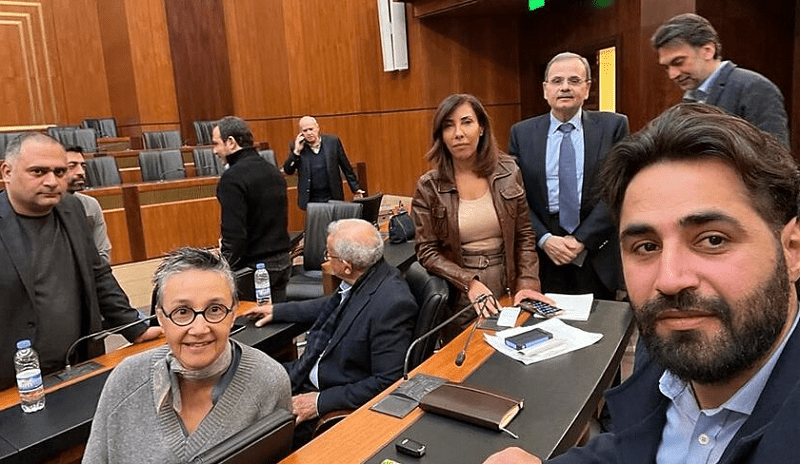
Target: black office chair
{"type": "Point", "coordinates": [269, 155]}
{"type": "Point", "coordinates": [306, 280]}
{"type": "Point", "coordinates": [206, 163]}
{"type": "Point", "coordinates": [102, 171]}
{"type": "Point", "coordinates": [104, 127]}
{"type": "Point", "coordinates": [162, 139]}
{"type": "Point", "coordinates": [265, 442]}
{"type": "Point", "coordinates": [372, 207]}
{"type": "Point", "coordinates": [159, 165]}
{"type": "Point", "coordinates": [431, 293]}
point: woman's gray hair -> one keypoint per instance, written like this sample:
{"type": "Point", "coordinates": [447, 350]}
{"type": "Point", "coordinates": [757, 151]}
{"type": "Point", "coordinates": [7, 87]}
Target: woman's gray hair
{"type": "Point", "coordinates": [186, 259]}
{"type": "Point", "coordinates": [357, 241]}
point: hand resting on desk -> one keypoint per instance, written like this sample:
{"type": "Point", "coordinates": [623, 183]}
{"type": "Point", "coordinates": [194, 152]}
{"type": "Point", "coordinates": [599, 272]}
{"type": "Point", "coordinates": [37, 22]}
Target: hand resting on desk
{"type": "Point", "coordinates": [150, 334]}
{"type": "Point", "coordinates": [512, 455]}
{"type": "Point", "coordinates": [261, 314]}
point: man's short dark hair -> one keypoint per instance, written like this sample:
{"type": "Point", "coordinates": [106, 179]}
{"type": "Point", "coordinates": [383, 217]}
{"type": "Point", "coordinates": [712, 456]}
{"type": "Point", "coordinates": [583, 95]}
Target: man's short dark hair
{"type": "Point", "coordinates": [693, 131]}
{"type": "Point", "coordinates": [75, 149]}
{"type": "Point", "coordinates": [14, 147]}
{"type": "Point", "coordinates": [690, 29]}
{"type": "Point", "coordinates": [231, 126]}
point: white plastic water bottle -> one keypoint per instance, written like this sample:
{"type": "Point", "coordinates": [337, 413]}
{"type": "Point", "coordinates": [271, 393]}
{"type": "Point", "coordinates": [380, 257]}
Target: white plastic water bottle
{"type": "Point", "coordinates": [263, 291]}
{"type": "Point", "coordinates": [29, 377]}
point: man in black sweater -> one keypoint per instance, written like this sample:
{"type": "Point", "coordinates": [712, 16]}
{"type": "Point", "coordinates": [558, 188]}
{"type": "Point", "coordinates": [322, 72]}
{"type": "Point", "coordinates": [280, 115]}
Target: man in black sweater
{"type": "Point", "coordinates": [252, 198]}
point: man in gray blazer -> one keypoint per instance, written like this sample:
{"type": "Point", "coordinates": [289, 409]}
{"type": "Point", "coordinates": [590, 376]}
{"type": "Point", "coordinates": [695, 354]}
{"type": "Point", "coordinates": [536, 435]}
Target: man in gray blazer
{"type": "Point", "coordinates": [690, 51]}
{"type": "Point", "coordinates": [559, 154]}
{"type": "Point", "coordinates": [54, 288]}
{"type": "Point", "coordinates": [318, 159]}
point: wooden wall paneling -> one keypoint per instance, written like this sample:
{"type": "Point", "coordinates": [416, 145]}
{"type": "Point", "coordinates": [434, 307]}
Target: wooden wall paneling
{"type": "Point", "coordinates": [152, 63]}
{"type": "Point", "coordinates": [200, 62]}
{"type": "Point", "coordinates": [30, 90]}
{"type": "Point", "coordinates": [118, 235]}
{"type": "Point", "coordinates": [405, 138]}
{"type": "Point", "coordinates": [276, 132]}
{"type": "Point", "coordinates": [119, 67]}
{"type": "Point", "coordinates": [323, 58]}
{"type": "Point", "coordinates": [259, 58]}
{"type": "Point", "coordinates": [80, 61]}
{"type": "Point", "coordinates": [182, 223]}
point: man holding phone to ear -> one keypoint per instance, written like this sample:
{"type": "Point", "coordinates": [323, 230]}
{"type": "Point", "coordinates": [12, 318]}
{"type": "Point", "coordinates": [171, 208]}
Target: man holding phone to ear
{"type": "Point", "coordinates": [318, 159]}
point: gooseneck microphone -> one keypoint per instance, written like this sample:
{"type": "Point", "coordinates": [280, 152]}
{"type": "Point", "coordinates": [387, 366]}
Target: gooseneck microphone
{"type": "Point", "coordinates": [479, 300]}
{"type": "Point", "coordinates": [100, 336]}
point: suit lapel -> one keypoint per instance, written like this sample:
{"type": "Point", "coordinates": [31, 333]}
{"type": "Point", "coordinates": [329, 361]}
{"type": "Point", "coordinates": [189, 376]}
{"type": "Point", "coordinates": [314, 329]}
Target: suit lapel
{"type": "Point", "coordinates": [356, 304]}
{"type": "Point", "coordinates": [539, 140]}
{"type": "Point", "coordinates": [591, 152]}
{"type": "Point", "coordinates": [11, 236]}
{"type": "Point", "coordinates": [715, 92]}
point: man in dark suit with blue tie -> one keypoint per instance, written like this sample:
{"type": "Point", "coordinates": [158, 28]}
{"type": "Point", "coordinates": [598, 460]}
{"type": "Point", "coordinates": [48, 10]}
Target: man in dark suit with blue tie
{"type": "Point", "coordinates": [559, 154]}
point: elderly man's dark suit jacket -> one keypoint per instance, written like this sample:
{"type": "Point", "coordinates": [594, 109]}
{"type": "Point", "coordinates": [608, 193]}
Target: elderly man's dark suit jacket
{"type": "Point", "coordinates": [335, 158]}
{"type": "Point", "coordinates": [528, 143]}
{"type": "Point", "coordinates": [102, 296]}
{"type": "Point", "coordinates": [639, 411]}
{"type": "Point", "coordinates": [752, 97]}
{"type": "Point", "coordinates": [367, 350]}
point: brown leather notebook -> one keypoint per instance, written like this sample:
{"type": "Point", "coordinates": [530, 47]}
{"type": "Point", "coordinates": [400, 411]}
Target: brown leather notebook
{"type": "Point", "coordinates": [471, 404]}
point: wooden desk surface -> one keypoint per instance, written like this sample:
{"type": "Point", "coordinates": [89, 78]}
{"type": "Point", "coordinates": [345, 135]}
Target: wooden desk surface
{"type": "Point", "coordinates": [364, 433]}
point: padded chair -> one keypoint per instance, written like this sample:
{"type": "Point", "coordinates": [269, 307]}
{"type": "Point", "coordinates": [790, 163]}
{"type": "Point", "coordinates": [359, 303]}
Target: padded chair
{"type": "Point", "coordinates": [265, 442]}
{"type": "Point", "coordinates": [86, 139]}
{"type": "Point", "coordinates": [372, 207]}
{"type": "Point", "coordinates": [159, 165]}
{"type": "Point", "coordinates": [5, 139]}
{"type": "Point", "coordinates": [162, 139]}
{"type": "Point", "coordinates": [269, 155]}
{"type": "Point", "coordinates": [202, 130]}
{"type": "Point", "coordinates": [102, 171]}
{"type": "Point", "coordinates": [306, 280]}
{"type": "Point", "coordinates": [104, 127]}
{"type": "Point", "coordinates": [431, 293]}
{"type": "Point", "coordinates": [206, 163]}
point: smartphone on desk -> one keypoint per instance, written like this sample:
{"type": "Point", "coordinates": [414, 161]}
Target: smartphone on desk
{"type": "Point", "coordinates": [528, 339]}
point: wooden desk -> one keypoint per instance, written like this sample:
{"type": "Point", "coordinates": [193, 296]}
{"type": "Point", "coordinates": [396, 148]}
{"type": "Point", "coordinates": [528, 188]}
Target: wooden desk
{"type": "Point", "coordinates": [552, 402]}
{"type": "Point", "coordinates": [64, 424]}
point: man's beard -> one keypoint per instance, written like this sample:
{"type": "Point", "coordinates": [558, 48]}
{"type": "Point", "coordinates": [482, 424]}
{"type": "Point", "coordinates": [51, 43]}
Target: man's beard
{"type": "Point", "coordinates": [76, 185]}
{"type": "Point", "coordinates": [693, 356]}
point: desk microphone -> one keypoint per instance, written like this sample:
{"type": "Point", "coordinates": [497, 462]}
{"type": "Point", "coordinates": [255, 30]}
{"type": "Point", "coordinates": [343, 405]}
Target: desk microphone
{"type": "Point", "coordinates": [480, 299]}
{"type": "Point", "coordinates": [164, 174]}
{"type": "Point", "coordinates": [100, 336]}
{"type": "Point", "coordinates": [462, 355]}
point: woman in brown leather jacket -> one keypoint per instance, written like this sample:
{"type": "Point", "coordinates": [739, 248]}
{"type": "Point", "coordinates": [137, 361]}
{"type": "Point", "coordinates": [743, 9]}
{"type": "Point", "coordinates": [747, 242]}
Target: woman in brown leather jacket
{"type": "Point", "coordinates": [471, 213]}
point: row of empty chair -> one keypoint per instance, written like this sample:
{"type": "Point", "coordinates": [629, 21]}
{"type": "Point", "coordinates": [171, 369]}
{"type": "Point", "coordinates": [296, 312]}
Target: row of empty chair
{"type": "Point", "coordinates": [158, 165]}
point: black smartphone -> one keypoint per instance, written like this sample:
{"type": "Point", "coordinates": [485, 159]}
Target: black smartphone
{"type": "Point", "coordinates": [540, 308]}
{"type": "Point", "coordinates": [528, 339]}
{"type": "Point", "coordinates": [410, 447]}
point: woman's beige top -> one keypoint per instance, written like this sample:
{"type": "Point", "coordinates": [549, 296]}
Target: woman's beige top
{"type": "Point", "coordinates": [478, 225]}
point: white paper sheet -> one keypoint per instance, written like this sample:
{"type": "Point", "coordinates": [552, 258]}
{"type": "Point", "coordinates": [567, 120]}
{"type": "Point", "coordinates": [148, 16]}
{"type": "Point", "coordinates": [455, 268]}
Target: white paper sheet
{"type": "Point", "coordinates": [565, 339]}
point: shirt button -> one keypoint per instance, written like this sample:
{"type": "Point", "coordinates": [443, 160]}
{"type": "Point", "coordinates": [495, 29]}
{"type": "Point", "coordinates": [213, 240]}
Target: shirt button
{"type": "Point", "coordinates": [703, 439]}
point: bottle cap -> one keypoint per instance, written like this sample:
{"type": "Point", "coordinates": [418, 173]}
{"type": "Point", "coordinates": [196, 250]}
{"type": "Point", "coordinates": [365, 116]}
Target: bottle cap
{"type": "Point", "coordinates": [260, 266]}
{"type": "Point", "coordinates": [22, 344]}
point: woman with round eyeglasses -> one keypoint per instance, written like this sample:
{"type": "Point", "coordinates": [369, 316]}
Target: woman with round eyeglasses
{"type": "Point", "coordinates": [170, 404]}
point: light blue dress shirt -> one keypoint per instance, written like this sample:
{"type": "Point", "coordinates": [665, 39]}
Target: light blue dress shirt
{"type": "Point", "coordinates": [695, 436]}
{"type": "Point", "coordinates": [313, 376]}
{"type": "Point", "coordinates": [554, 137]}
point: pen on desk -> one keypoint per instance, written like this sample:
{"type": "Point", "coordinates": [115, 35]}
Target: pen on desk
{"type": "Point", "coordinates": [544, 347]}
